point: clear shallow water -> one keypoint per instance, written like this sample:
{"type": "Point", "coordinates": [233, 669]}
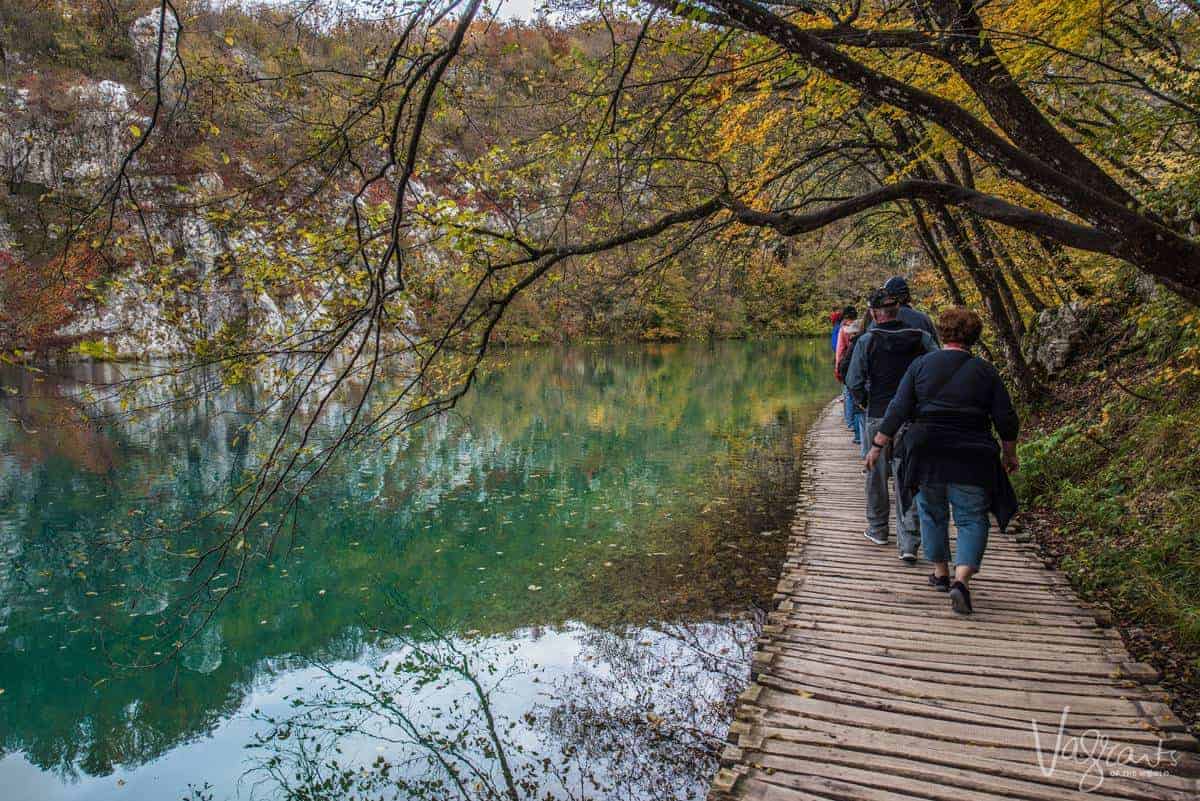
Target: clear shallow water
{"type": "Point", "coordinates": [559, 575]}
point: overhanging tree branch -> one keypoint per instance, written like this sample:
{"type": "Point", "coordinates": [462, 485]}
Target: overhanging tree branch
{"type": "Point", "coordinates": [1171, 257]}
{"type": "Point", "coordinates": [989, 207]}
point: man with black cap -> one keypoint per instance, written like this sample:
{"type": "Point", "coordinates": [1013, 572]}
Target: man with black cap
{"type": "Point", "coordinates": [881, 357]}
{"type": "Point", "coordinates": [897, 287]}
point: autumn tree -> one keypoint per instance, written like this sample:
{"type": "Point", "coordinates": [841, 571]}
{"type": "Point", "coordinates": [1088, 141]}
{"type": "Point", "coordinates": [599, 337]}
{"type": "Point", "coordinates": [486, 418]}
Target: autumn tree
{"type": "Point", "coordinates": [482, 173]}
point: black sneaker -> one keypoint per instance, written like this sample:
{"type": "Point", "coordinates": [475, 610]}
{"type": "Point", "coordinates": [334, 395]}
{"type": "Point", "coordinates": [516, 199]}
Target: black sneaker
{"type": "Point", "coordinates": [939, 583]}
{"type": "Point", "coordinates": [960, 598]}
{"type": "Point", "coordinates": [908, 558]}
{"type": "Point", "coordinates": [878, 539]}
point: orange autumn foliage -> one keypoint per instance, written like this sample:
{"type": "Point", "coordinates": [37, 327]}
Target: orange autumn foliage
{"type": "Point", "coordinates": [36, 300]}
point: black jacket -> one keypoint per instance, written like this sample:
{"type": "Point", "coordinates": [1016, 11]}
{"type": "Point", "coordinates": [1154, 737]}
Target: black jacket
{"type": "Point", "coordinates": [953, 400]}
{"type": "Point", "coordinates": [881, 357]}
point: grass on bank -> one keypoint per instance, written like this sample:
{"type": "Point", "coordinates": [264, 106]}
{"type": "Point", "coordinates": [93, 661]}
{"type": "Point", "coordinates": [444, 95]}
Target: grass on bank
{"type": "Point", "coordinates": [1115, 461]}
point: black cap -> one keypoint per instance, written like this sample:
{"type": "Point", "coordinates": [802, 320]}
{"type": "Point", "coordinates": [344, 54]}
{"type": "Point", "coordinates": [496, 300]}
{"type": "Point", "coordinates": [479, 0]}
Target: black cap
{"type": "Point", "coordinates": [849, 313]}
{"type": "Point", "coordinates": [881, 299]}
{"type": "Point", "coordinates": [897, 287]}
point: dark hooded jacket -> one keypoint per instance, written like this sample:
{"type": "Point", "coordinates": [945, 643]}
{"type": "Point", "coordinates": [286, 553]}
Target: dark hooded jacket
{"type": "Point", "coordinates": [881, 357]}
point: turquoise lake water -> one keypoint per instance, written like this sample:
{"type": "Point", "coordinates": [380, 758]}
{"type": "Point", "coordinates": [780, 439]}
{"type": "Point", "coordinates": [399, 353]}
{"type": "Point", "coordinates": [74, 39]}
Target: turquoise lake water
{"type": "Point", "coordinates": [550, 591]}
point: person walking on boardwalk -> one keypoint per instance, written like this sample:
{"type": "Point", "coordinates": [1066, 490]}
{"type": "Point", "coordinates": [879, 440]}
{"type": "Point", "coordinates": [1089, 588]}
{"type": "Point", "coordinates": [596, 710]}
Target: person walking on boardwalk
{"type": "Point", "coordinates": [953, 401]}
{"type": "Point", "coordinates": [849, 330]}
{"type": "Point", "coordinates": [881, 357]}
{"type": "Point", "coordinates": [897, 287]}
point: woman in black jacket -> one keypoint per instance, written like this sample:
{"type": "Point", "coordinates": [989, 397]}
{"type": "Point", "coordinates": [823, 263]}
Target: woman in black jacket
{"type": "Point", "coordinates": [953, 400]}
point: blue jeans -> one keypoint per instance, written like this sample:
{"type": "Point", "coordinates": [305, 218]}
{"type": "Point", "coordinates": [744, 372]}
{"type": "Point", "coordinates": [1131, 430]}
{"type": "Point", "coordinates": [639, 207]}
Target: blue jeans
{"type": "Point", "coordinates": [852, 415]}
{"type": "Point", "coordinates": [970, 504]}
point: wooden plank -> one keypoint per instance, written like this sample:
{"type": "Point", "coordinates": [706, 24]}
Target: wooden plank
{"type": "Point", "coordinates": [952, 673]}
{"type": "Point", "coordinates": [982, 623]}
{"type": "Point", "coordinates": [997, 611]}
{"type": "Point", "coordinates": [905, 773]}
{"type": "Point", "coordinates": [934, 684]}
{"type": "Point", "coordinates": [870, 689]}
{"type": "Point", "coordinates": [1010, 762]}
{"type": "Point", "coordinates": [862, 705]}
{"type": "Point", "coordinates": [862, 633]}
{"type": "Point", "coordinates": [1094, 667]}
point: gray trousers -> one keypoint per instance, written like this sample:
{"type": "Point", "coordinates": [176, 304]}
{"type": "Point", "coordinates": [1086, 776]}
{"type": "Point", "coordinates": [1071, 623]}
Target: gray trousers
{"type": "Point", "coordinates": [908, 529]}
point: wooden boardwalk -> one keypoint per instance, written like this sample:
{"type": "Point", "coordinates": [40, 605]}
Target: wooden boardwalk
{"type": "Point", "coordinates": [865, 685]}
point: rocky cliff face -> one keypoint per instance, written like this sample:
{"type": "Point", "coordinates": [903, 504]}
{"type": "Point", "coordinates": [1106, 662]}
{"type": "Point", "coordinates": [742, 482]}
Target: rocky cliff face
{"type": "Point", "coordinates": [134, 320]}
{"type": "Point", "coordinates": [73, 144]}
{"type": "Point", "coordinates": [153, 60]}
{"type": "Point", "coordinates": [75, 139]}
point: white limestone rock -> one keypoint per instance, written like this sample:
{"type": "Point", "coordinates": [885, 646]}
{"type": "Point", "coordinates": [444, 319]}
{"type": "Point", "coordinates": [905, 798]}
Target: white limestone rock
{"type": "Point", "coordinates": [67, 150]}
{"type": "Point", "coordinates": [1057, 334]}
{"type": "Point", "coordinates": [144, 34]}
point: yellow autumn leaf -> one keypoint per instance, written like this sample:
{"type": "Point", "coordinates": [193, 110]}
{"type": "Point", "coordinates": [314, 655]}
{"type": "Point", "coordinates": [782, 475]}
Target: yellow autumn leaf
{"type": "Point", "coordinates": [136, 131]}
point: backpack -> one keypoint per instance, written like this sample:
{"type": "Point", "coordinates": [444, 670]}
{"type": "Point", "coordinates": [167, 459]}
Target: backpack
{"type": "Point", "coordinates": [843, 365]}
{"type": "Point", "coordinates": [899, 348]}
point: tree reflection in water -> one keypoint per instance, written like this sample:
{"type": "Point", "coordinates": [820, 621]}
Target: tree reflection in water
{"type": "Point", "coordinates": [646, 717]}
{"type": "Point", "coordinates": [586, 496]}
{"type": "Point", "coordinates": [641, 714]}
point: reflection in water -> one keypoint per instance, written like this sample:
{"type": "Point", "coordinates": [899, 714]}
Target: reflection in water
{"type": "Point", "coordinates": [591, 518]}
{"type": "Point", "coordinates": [636, 713]}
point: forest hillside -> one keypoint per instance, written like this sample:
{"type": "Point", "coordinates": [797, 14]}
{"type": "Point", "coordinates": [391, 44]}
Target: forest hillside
{"type": "Point", "coordinates": [194, 253]}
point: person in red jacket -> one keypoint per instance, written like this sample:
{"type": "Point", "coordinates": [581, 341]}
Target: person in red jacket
{"type": "Point", "coordinates": [851, 326]}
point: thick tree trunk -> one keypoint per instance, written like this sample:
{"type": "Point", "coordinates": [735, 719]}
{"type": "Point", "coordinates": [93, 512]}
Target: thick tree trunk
{"type": "Point", "coordinates": [972, 56]}
{"type": "Point", "coordinates": [993, 242]}
{"type": "Point", "coordinates": [983, 278]}
{"type": "Point", "coordinates": [1012, 268]}
{"type": "Point", "coordinates": [965, 176]}
{"type": "Point", "coordinates": [1027, 383]}
{"type": "Point", "coordinates": [1050, 166]}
